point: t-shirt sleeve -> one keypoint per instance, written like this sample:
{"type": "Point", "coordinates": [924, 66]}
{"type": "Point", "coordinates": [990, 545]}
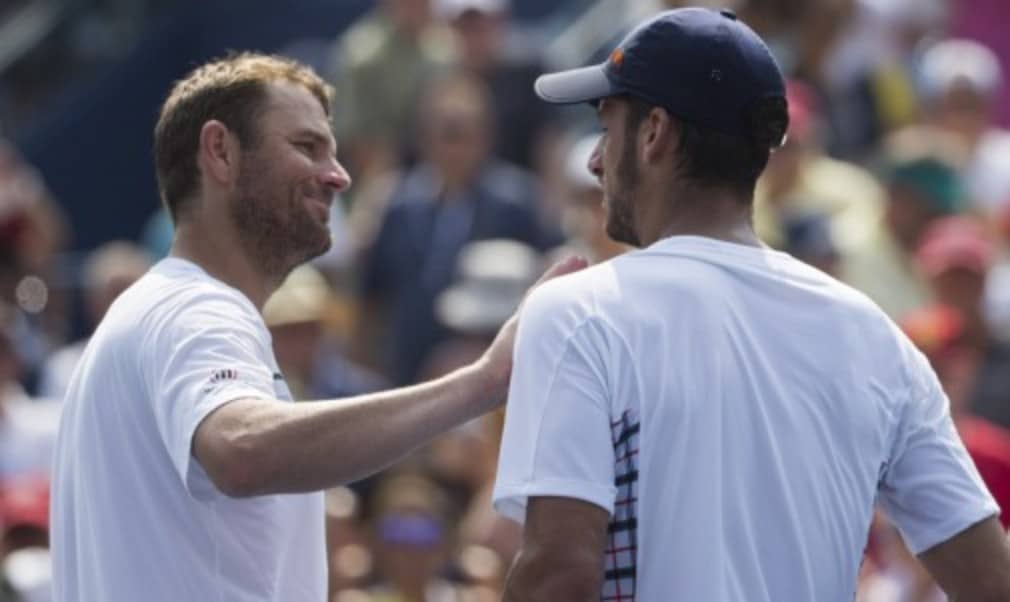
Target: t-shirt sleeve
{"type": "Point", "coordinates": [213, 352]}
{"type": "Point", "coordinates": [557, 436]}
{"type": "Point", "coordinates": [930, 487]}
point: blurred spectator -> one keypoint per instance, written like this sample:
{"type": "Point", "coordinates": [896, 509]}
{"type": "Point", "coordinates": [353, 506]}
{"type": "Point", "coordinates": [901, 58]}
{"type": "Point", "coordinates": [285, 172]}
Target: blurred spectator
{"type": "Point", "coordinates": [801, 180]}
{"type": "Point", "coordinates": [922, 177]}
{"type": "Point", "coordinates": [27, 426]}
{"type": "Point", "coordinates": [938, 331]}
{"type": "Point", "coordinates": [24, 514]}
{"type": "Point", "coordinates": [908, 27]}
{"type": "Point", "coordinates": [491, 278]}
{"type": "Point", "coordinates": [996, 303]}
{"type": "Point", "coordinates": [379, 67]}
{"type": "Point", "coordinates": [32, 234]}
{"type": "Point", "coordinates": [413, 539]}
{"type": "Point", "coordinates": [985, 21]}
{"type": "Point", "coordinates": [583, 217]}
{"type": "Point", "coordinates": [27, 434]}
{"type": "Point", "coordinates": [300, 315]}
{"type": "Point", "coordinates": [459, 192]}
{"type": "Point", "coordinates": [956, 254]}
{"type": "Point", "coordinates": [808, 238]}
{"type": "Point", "coordinates": [32, 230]}
{"type": "Point", "coordinates": [108, 271]}
{"type": "Point", "coordinates": [866, 74]}
{"type": "Point", "coordinates": [350, 560]}
{"type": "Point", "coordinates": [522, 124]}
{"type": "Point", "coordinates": [961, 83]}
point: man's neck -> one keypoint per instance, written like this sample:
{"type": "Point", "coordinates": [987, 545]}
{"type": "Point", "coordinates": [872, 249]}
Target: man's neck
{"type": "Point", "coordinates": [718, 214]}
{"type": "Point", "coordinates": [220, 254]}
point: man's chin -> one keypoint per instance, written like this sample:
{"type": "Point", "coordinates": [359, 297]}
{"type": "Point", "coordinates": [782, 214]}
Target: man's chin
{"type": "Point", "coordinates": [320, 248]}
{"type": "Point", "coordinates": [622, 234]}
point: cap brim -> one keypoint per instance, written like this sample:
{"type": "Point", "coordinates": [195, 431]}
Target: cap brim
{"type": "Point", "coordinates": [586, 84]}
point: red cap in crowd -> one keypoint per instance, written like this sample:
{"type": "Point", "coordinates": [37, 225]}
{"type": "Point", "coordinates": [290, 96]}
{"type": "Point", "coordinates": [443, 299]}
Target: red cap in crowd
{"type": "Point", "coordinates": [955, 242]}
{"type": "Point", "coordinates": [25, 502]}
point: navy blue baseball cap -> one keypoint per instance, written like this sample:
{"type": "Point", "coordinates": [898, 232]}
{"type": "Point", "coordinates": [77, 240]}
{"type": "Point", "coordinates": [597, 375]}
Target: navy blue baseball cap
{"type": "Point", "coordinates": [704, 66]}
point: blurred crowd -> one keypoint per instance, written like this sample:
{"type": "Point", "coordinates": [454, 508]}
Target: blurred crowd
{"type": "Point", "coordinates": [895, 178]}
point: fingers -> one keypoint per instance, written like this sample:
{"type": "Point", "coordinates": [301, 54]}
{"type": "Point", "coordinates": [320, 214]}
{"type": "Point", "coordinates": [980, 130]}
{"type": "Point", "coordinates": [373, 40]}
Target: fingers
{"type": "Point", "coordinates": [497, 360]}
{"type": "Point", "coordinates": [570, 264]}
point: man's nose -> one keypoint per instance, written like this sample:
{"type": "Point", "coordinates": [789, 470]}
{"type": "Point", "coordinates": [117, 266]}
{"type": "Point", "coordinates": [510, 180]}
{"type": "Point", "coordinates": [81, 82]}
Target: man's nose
{"type": "Point", "coordinates": [336, 177]}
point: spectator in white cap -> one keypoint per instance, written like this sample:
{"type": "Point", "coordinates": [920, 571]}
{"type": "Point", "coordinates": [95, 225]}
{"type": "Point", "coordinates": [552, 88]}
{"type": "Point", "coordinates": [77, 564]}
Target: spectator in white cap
{"type": "Point", "coordinates": [583, 218]}
{"type": "Point", "coordinates": [962, 84]}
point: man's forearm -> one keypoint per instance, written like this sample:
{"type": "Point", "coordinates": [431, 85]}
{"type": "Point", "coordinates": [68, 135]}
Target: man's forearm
{"type": "Point", "coordinates": [565, 576]}
{"type": "Point", "coordinates": [274, 447]}
{"type": "Point", "coordinates": [974, 564]}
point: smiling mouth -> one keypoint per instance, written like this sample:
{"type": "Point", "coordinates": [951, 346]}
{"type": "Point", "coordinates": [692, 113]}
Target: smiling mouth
{"type": "Point", "coordinates": [322, 208]}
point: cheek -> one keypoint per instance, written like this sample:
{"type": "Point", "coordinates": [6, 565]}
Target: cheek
{"type": "Point", "coordinates": [611, 155]}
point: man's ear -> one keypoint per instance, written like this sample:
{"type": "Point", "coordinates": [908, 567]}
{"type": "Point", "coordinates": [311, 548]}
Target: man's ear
{"type": "Point", "coordinates": [659, 134]}
{"type": "Point", "coordinates": [218, 154]}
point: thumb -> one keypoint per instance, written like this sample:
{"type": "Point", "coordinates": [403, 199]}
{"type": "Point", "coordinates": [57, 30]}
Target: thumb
{"type": "Point", "coordinates": [572, 263]}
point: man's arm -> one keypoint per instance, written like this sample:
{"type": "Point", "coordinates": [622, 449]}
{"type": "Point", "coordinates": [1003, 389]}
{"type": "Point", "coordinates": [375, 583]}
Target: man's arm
{"type": "Point", "coordinates": [561, 559]}
{"type": "Point", "coordinates": [256, 446]}
{"type": "Point", "coordinates": [974, 565]}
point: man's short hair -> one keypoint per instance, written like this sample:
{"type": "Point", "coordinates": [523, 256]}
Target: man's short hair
{"type": "Point", "coordinates": [231, 90]}
{"type": "Point", "coordinates": [707, 158]}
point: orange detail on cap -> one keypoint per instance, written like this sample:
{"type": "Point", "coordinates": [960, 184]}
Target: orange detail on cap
{"type": "Point", "coordinates": [617, 57]}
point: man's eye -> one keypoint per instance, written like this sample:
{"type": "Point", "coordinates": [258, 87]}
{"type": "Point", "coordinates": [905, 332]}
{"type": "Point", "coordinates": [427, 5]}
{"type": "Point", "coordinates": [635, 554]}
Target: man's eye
{"type": "Point", "coordinates": [306, 147]}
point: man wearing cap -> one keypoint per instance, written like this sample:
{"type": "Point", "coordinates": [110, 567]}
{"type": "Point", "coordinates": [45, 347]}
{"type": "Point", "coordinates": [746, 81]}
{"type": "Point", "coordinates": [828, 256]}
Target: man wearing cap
{"type": "Point", "coordinates": [706, 418]}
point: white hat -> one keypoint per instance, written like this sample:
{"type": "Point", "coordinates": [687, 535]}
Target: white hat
{"type": "Point", "coordinates": [577, 163]}
{"type": "Point", "coordinates": [493, 276]}
{"type": "Point", "coordinates": [29, 572]}
{"type": "Point", "coordinates": [953, 63]}
{"type": "Point", "coordinates": [923, 13]}
{"type": "Point", "coordinates": [996, 302]}
{"type": "Point", "coordinates": [453, 9]}
{"type": "Point", "coordinates": [302, 298]}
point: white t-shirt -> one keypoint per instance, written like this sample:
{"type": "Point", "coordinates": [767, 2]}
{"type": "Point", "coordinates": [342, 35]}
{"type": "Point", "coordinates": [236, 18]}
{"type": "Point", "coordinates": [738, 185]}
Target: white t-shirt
{"type": "Point", "coordinates": [737, 412]}
{"type": "Point", "coordinates": [134, 516]}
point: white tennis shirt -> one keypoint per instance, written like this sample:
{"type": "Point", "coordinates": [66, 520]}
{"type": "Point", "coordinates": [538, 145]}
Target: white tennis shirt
{"type": "Point", "coordinates": [134, 516]}
{"type": "Point", "coordinates": [738, 413]}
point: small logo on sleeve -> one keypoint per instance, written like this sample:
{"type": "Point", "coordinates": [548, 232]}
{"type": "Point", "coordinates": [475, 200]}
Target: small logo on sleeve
{"type": "Point", "coordinates": [223, 375]}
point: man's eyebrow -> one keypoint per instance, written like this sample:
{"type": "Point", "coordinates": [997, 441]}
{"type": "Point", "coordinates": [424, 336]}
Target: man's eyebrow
{"type": "Point", "coordinates": [317, 137]}
{"type": "Point", "coordinates": [311, 133]}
